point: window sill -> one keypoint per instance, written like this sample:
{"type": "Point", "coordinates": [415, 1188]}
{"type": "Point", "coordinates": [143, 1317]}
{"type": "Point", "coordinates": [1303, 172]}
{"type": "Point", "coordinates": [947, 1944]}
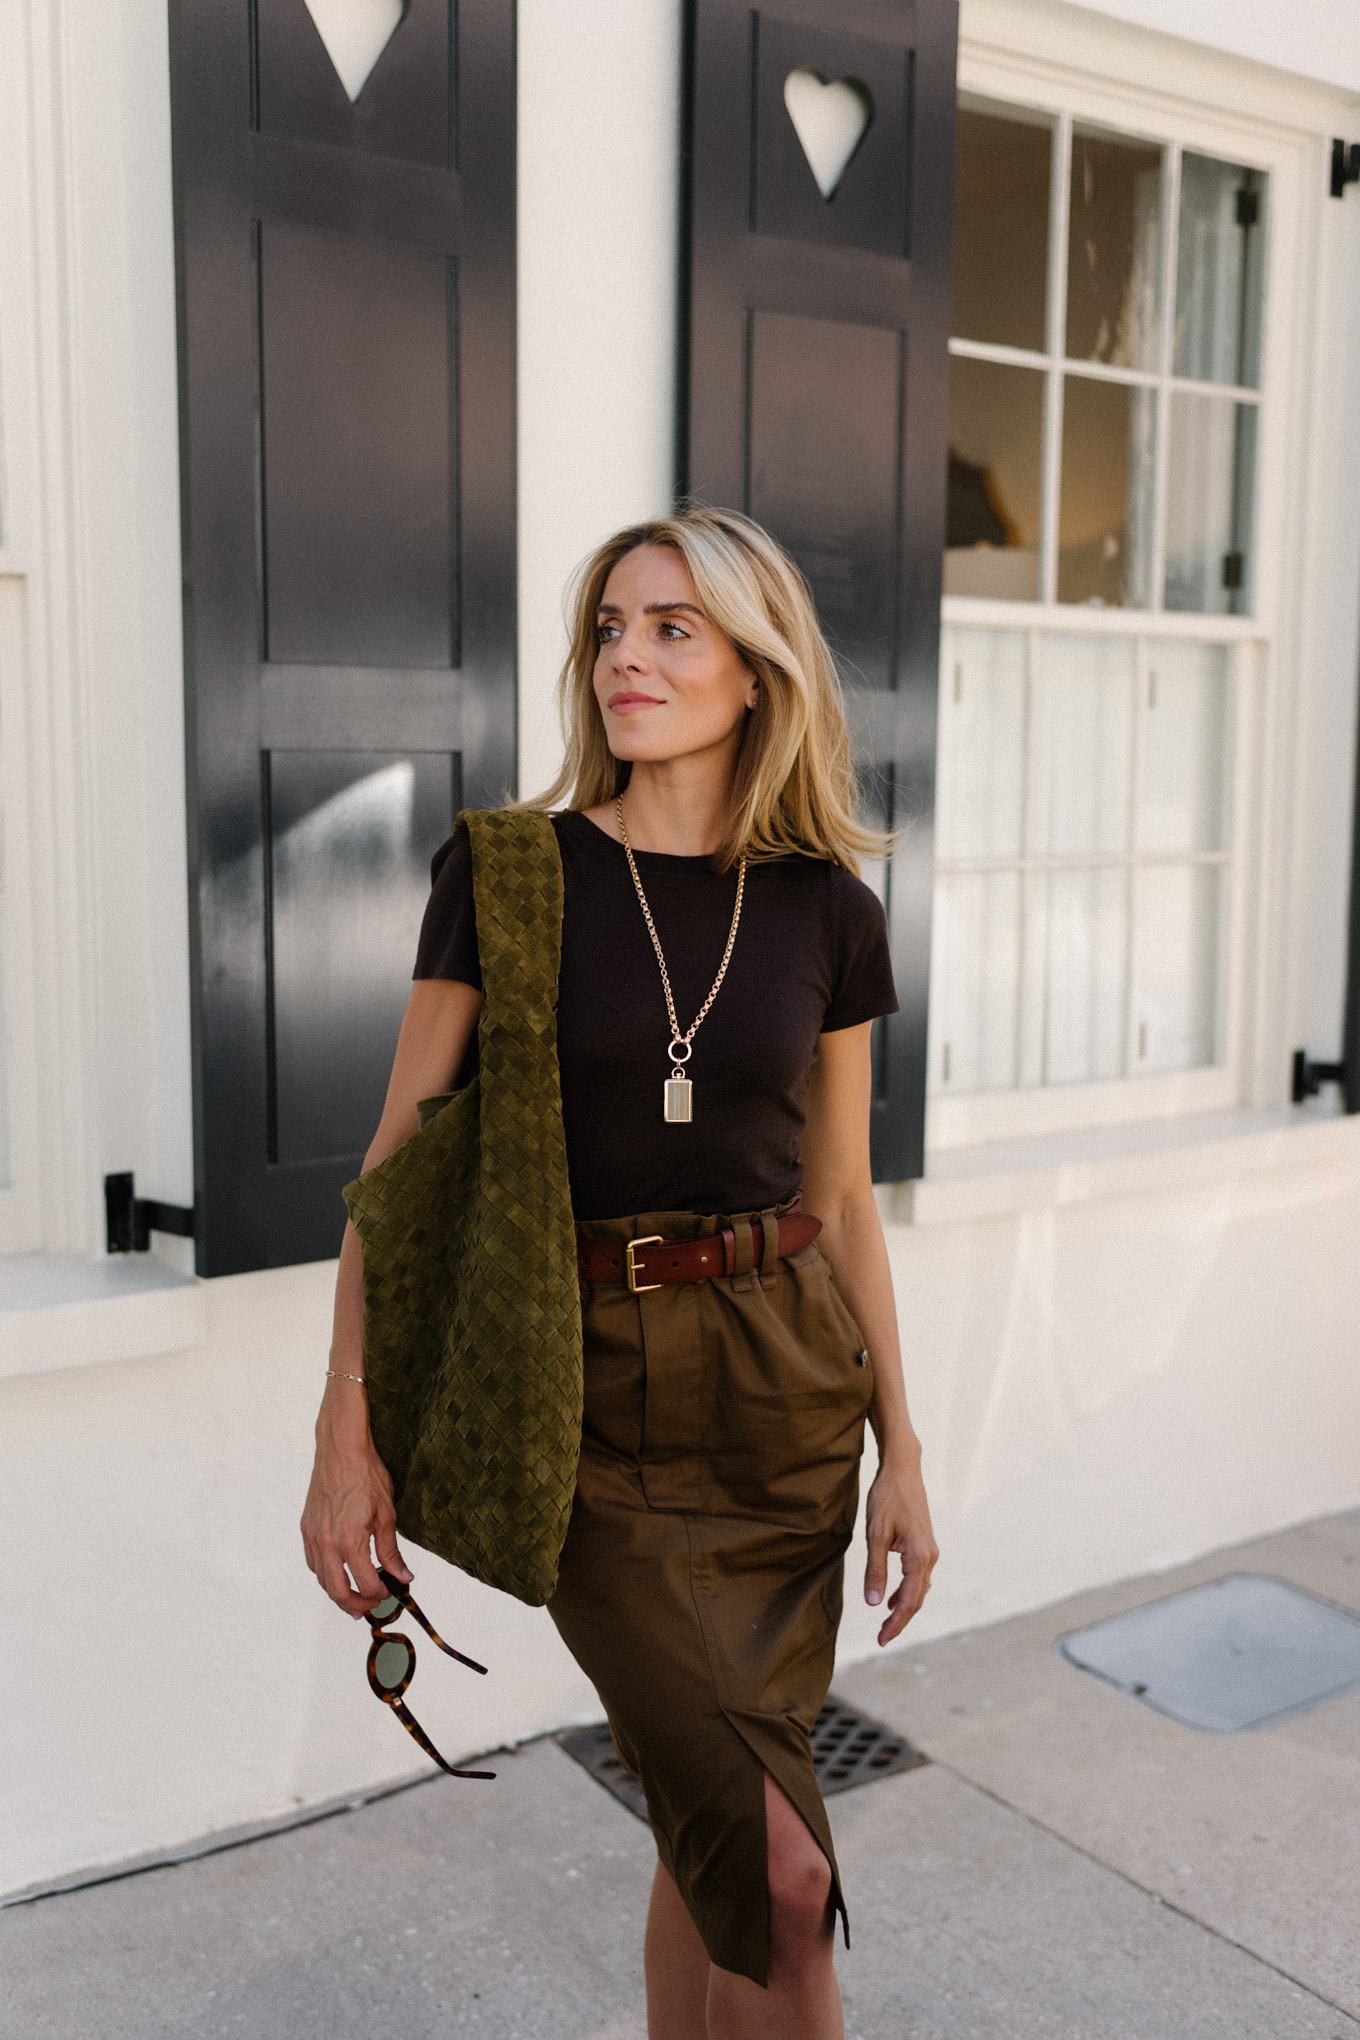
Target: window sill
{"type": "Point", "coordinates": [72, 1310]}
{"type": "Point", "coordinates": [1003, 1177]}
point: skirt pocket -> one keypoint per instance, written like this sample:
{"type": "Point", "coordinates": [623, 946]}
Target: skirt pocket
{"type": "Point", "coordinates": [789, 1388]}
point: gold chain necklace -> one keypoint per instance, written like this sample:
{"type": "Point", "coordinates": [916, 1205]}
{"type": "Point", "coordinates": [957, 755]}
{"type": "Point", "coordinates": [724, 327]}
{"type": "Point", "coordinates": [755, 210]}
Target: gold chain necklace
{"type": "Point", "coordinates": [677, 1105]}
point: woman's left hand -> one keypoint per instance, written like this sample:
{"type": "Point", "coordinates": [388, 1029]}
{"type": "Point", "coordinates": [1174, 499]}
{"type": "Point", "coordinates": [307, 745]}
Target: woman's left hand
{"type": "Point", "coordinates": [898, 1519]}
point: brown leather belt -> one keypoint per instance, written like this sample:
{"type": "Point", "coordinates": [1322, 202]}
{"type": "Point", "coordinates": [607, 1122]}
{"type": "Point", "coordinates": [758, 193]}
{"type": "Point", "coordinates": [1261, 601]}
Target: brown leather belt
{"type": "Point", "coordinates": [652, 1262]}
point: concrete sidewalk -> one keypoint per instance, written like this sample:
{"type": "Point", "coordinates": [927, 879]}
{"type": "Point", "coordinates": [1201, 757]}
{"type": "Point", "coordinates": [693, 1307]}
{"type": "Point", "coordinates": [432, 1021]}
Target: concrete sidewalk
{"type": "Point", "coordinates": [1071, 1866]}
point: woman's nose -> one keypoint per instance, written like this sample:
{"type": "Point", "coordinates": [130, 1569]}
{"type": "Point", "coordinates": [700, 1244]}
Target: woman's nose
{"type": "Point", "coordinates": [630, 652]}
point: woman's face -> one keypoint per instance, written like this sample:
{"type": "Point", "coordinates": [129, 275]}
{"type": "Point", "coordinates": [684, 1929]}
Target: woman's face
{"type": "Point", "coordinates": [668, 682]}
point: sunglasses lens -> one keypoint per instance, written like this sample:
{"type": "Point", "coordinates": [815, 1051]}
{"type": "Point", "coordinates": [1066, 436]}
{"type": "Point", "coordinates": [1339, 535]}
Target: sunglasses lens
{"type": "Point", "coordinates": [392, 1663]}
{"type": "Point", "coordinates": [385, 1610]}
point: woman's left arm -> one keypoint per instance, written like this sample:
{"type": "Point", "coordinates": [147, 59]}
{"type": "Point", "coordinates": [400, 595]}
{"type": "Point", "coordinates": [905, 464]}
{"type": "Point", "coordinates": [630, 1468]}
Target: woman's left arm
{"type": "Point", "coordinates": [838, 1189]}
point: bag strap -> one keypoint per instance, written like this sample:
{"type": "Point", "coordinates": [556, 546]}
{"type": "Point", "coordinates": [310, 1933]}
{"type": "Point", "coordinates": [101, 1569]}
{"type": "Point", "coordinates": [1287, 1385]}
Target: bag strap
{"type": "Point", "coordinates": [518, 891]}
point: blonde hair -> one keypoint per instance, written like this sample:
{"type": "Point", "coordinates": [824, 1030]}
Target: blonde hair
{"type": "Point", "coordinates": [795, 788]}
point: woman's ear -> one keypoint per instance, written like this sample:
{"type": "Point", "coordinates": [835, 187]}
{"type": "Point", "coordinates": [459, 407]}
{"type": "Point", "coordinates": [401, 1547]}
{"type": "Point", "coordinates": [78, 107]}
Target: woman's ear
{"type": "Point", "coordinates": [753, 693]}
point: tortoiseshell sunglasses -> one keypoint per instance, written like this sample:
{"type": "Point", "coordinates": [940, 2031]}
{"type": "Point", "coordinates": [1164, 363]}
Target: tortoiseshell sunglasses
{"type": "Point", "coordinates": [392, 1665]}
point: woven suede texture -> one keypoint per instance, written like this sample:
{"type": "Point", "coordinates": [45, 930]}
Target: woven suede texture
{"type": "Point", "coordinates": [472, 1311]}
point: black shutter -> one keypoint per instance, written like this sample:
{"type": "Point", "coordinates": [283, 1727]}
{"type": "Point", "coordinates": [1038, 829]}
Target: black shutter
{"type": "Point", "coordinates": [346, 327]}
{"type": "Point", "coordinates": [815, 395]}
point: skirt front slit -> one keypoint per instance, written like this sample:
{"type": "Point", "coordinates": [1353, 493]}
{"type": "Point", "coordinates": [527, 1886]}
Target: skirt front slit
{"type": "Point", "coordinates": [700, 1584]}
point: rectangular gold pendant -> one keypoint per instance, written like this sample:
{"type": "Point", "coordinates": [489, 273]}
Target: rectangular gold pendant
{"type": "Point", "coordinates": [679, 1106]}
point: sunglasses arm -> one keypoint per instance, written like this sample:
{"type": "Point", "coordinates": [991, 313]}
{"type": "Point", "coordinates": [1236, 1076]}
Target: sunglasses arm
{"type": "Point", "coordinates": [394, 1586]}
{"type": "Point", "coordinates": [413, 1727]}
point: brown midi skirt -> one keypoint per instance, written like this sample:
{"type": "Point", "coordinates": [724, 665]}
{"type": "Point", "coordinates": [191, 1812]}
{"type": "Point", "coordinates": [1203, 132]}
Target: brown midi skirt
{"type": "Point", "coordinates": [700, 1584]}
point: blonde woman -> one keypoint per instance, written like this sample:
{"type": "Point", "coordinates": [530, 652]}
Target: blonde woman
{"type": "Point", "coordinates": [722, 964]}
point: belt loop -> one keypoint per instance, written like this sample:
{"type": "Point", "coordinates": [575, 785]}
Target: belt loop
{"type": "Point", "coordinates": [769, 1259]}
{"type": "Point", "coordinates": [743, 1260]}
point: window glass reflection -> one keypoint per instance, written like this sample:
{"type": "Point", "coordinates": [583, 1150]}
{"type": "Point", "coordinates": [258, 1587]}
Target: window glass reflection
{"type": "Point", "coordinates": [1211, 464]}
{"type": "Point", "coordinates": [1179, 942]}
{"type": "Point", "coordinates": [974, 981]}
{"type": "Point", "coordinates": [1108, 478]}
{"type": "Point", "coordinates": [1083, 724]}
{"type": "Point", "coordinates": [1113, 252]}
{"type": "Point", "coordinates": [6, 1178]}
{"type": "Point", "coordinates": [996, 415]}
{"type": "Point", "coordinates": [1219, 273]}
{"type": "Point", "coordinates": [979, 781]}
{"type": "Point", "coordinates": [1001, 184]}
{"type": "Point", "coordinates": [1085, 951]}
{"type": "Point", "coordinates": [1182, 803]}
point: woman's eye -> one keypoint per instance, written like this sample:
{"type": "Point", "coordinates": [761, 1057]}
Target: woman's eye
{"type": "Point", "coordinates": [672, 631]}
{"type": "Point", "coordinates": [605, 633]}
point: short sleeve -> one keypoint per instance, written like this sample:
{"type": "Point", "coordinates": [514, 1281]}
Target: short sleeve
{"type": "Point", "coordinates": [864, 988]}
{"type": "Point", "coordinates": [448, 933]}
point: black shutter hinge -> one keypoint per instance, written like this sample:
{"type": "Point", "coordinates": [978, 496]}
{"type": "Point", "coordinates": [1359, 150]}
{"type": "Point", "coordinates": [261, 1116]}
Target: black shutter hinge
{"type": "Point", "coordinates": [131, 1220]}
{"type": "Point", "coordinates": [1345, 165]}
{"type": "Point", "coordinates": [1309, 1077]}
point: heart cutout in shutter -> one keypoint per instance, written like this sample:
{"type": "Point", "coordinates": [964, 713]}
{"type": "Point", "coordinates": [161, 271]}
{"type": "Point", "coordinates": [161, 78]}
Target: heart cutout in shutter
{"type": "Point", "coordinates": [356, 32]}
{"type": "Point", "coordinates": [830, 118]}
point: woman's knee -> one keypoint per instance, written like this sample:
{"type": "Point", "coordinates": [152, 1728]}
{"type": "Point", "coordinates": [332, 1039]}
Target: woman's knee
{"type": "Point", "coordinates": [799, 1875]}
{"type": "Point", "coordinates": [799, 1894]}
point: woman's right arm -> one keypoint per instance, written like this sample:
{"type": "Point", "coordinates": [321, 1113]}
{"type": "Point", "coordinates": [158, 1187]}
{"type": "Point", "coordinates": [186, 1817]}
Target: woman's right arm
{"type": "Point", "coordinates": [350, 1501]}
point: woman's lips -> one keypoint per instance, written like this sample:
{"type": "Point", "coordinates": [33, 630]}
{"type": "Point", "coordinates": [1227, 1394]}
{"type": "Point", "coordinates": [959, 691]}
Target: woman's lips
{"type": "Point", "coordinates": [624, 703]}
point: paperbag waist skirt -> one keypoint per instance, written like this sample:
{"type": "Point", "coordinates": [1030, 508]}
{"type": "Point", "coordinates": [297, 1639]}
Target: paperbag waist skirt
{"type": "Point", "coordinates": [700, 1583]}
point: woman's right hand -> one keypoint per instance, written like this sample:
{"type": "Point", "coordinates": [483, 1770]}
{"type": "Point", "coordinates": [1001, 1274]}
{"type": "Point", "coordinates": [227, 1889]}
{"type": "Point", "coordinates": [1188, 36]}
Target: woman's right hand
{"type": "Point", "coordinates": [349, 1505]}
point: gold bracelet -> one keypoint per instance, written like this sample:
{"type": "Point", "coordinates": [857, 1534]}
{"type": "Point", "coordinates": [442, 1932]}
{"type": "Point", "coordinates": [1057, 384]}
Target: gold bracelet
{"type": "Point", "coordinates": [331, 1375]}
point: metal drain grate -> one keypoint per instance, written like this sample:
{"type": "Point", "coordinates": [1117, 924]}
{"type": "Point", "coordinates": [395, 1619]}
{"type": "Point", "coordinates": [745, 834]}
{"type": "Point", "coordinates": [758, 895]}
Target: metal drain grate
{"type": "Point", "coordinates": [848, 1749]}
{"type": "Point", "coordinates": [593, 1748]}
{"type": "Point", "coordinates": [1234, 1654]}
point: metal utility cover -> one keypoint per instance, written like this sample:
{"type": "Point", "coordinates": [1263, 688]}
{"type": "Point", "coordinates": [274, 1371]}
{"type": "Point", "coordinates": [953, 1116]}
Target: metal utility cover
{"type": "Point", "coordinates": [1234, 1654]}
{"type": "Point", "coordinates": [848, 1749]}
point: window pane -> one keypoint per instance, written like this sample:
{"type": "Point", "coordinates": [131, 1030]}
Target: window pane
{"type": "Point", "coordinates": [1182, 803]}
{"type": "Point", "coordinates": [1218, 272]}
{"type": "Point", "coordinates": [979, 786]}
{"type": "Point", "coordinates": [1211, 469]}
{"type": "Point", "coordinates": [1001, 229]}
{"type": "Point", "coordinates": [996, 418]}
{"type": "Point", "coordinates": [974, 973]}
{"type": "Point", "coordinates": [1085, 948]}
{"type": "Point", "coordinates": [1113, 242]}
{"type": "Point", "coordinates": [1105, 515]}
{"type": "Point", "coordinates": [1083, 745]}
{"type": "Point", "coordinates": [1179, 939]}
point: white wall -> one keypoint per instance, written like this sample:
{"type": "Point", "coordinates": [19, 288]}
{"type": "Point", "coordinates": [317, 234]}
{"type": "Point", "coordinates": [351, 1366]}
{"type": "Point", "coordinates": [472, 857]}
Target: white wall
{"type": "Point", "coordinates": [599, 148]}
{"type": "Point", "coordinates": [1316, 38]}
{"type": "Point", "coordinates": [1101, 1389]}
{"type": "Point", "coordinates": [191, 1675]}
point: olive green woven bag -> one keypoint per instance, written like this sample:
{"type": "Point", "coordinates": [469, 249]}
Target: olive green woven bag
{"type": "Point", "coordinates": [472, 1313]}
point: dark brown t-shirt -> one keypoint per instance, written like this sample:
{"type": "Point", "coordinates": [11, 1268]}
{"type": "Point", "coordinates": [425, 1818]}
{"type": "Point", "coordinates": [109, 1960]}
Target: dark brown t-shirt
{"type": "Point", "coordinates": [811, 957]}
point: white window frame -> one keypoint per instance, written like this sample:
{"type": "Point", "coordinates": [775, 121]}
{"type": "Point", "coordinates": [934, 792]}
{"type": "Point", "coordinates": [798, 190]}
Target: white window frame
{"type": "Point", "coordinates": [48, 1025]}
{"type": "Point", "coordinates": [1101, 74]}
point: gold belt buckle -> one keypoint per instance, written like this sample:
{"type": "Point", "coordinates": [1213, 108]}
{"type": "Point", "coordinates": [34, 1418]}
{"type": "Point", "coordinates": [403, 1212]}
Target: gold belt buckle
{"type": "Point", "coordinates": [630, 1262]}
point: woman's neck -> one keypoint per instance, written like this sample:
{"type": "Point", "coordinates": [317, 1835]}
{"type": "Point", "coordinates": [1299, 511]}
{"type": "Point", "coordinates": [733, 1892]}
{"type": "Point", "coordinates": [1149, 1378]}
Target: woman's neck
{"type": "Point", "coordinates": [680, 813]}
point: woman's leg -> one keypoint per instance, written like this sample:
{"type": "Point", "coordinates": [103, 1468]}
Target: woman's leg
{"type": "Point", "coordinates": [677, 1967]}
{"type": "Point", "coordinates": [802, 2000]}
